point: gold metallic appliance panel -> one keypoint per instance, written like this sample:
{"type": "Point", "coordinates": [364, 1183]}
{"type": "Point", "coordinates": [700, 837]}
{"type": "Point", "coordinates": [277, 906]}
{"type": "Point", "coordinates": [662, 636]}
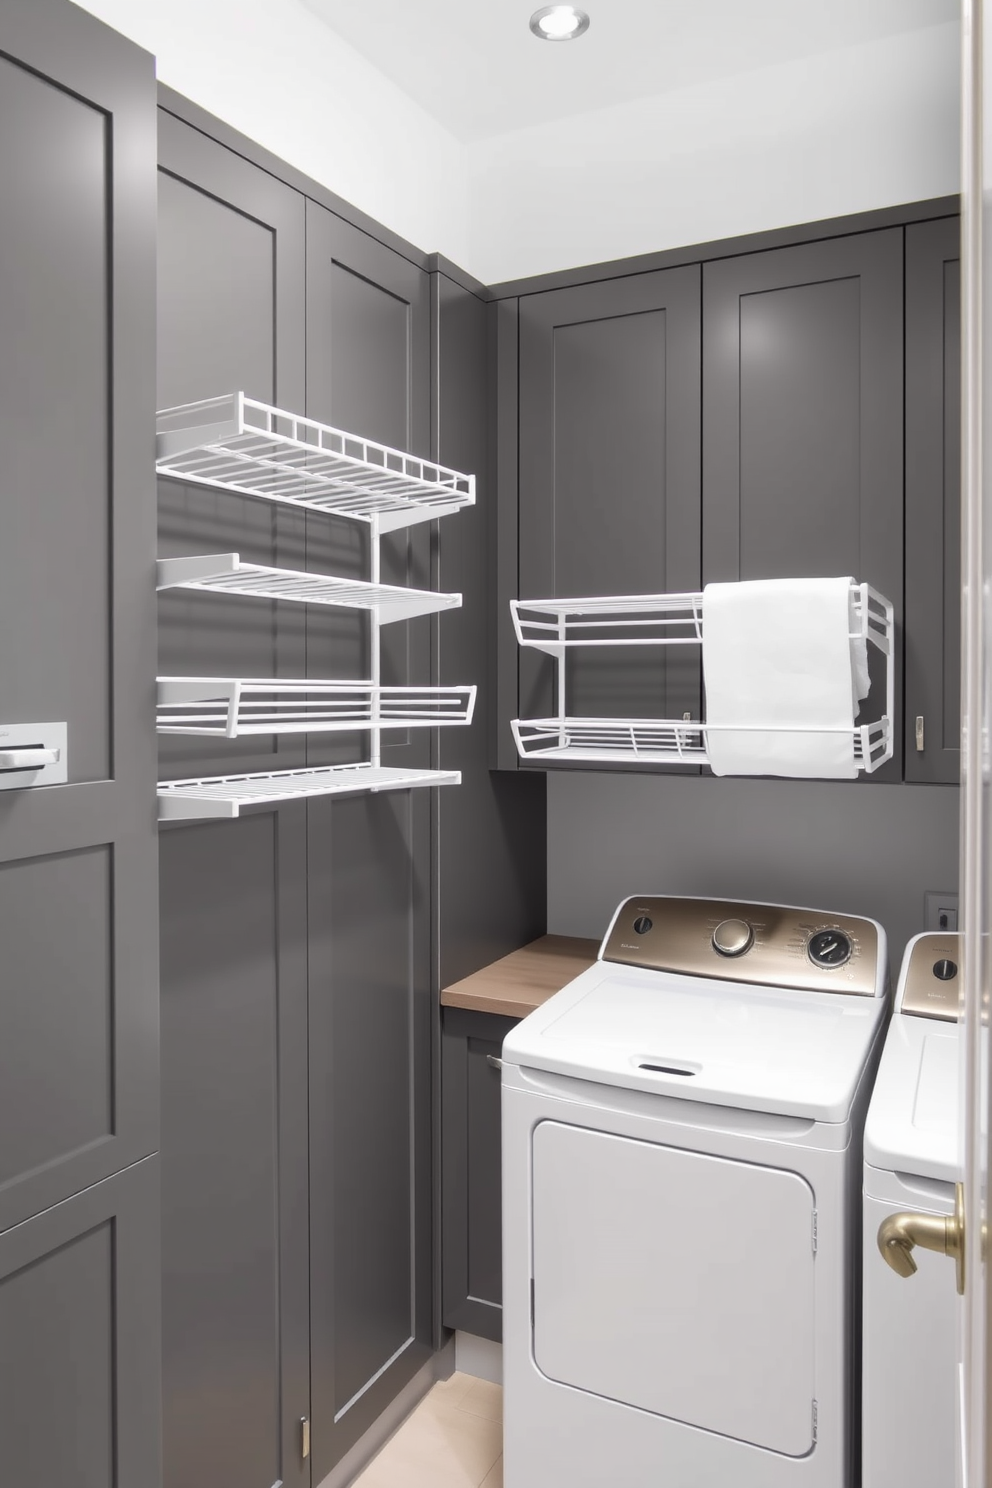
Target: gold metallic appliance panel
{"type": "Point", "coordinates": [759, 943]}
{"type": "Point", "coordinates": [933, 977]}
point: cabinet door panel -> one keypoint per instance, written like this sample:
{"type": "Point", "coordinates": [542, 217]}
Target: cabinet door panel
{"type": "Point", "coordinates": [368, 366]}
{"type": "Point", "coordinates": [802, 420]}
{"type": "Point", "coordinates": [471, 1194]}
{"type": "Point", "coordinates": [79, 1339]}
{"type": "Point", "coordinates": [933, 499]}
{"type": "Point", "coordinates": [609, 475]}
{"type": "Point", "coordinates": [234, 1164]}
{"type": "Point", "coordinates": [231, 284]}
{"type": "Point", "coordinates": [78, 916]}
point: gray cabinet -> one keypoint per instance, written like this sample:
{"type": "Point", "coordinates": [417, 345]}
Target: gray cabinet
{"type": "Point", "coordinates": [802, 418]}
{"type": "Point", "coordinates": [233, 894]}
{"type": "Point", "coordinates": [369, 886]}
{"type": "Point", "coordinates": [471, 1247]}
{"type": "Point", "coordinates": [609, 475]}
{"type": "Point", "coordinates": [933, 500]}
{"type": "Point", "coordinates": [78, 915]}
{"type": "Point", "coordinates": [79, 1357]}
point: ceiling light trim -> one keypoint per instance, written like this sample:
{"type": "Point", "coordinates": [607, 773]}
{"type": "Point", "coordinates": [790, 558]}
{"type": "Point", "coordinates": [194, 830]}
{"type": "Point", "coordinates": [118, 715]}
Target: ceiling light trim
{"type": "Point", "coordinates": [558, 30]}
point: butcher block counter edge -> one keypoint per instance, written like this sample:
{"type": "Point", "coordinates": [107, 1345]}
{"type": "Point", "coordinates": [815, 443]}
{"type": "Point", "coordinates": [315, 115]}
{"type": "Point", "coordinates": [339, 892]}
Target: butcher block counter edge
{"type": "Point", "coordinates": [518, 983]}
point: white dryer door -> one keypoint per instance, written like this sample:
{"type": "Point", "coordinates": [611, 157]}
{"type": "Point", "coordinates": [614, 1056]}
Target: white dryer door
{"type": "Point", "coordinates": [677, 1282]}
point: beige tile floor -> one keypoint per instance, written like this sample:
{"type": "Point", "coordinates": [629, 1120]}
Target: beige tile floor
{"type": "Point", "coordinates": [454, 1439]}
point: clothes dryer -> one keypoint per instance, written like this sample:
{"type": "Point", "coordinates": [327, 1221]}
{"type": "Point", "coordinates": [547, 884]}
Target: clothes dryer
{"type": "Point", "coordinates": [911, 1164]}
{"type": "Point", "coordinates": [681, 1217]}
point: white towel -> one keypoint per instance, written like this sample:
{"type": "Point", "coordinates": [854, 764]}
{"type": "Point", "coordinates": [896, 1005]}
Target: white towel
{"type": "Point", "coordinates": [779, 652]}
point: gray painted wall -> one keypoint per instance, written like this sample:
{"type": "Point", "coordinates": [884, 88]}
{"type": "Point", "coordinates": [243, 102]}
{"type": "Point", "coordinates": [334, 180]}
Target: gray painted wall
{"type": "Point", "coordinates": [871, 850]}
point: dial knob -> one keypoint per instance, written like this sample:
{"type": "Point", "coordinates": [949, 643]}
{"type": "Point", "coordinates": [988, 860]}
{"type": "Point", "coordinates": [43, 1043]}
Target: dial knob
{"type": "Point", "coordinates": [945, 971]}
{"type": "Point", "coordinates": [733, 937]}
{"type": "Point", "coordinates": [830, 948]}
{"type": "Point", "coordinates": [642, 924]}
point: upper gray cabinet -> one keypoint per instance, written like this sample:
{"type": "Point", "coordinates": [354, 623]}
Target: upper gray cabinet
{"type": "Point", "coordinates": [78, 911]}
{"type": "Point", "coordinates": [803, 419]}
{"type": "Point", "coordinates": [609, 430]}
{"type": "Point", "coordinates": [933, 500]}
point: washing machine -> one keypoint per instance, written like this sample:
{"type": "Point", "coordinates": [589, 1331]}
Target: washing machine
{"type": "Point", "coordinates": [681, 1202]}
{"type": "Point", "coordinates": [912, 1162]}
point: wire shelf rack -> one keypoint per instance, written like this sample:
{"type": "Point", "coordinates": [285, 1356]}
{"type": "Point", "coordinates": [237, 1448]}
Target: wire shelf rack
{"type": "Point", "coordinates": [234, 707]}
{"type": "Point", "coordinates": [239, 444]}
{"type": "Point", "coordinates": [557, 626]}
{"type": "Point", "coordinates": [225, 573]}
{"type": "Point", "coordinates": [226, 796]}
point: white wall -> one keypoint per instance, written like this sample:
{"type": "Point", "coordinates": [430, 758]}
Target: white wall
{"type": "Point", "coordinates": [843, 132]}
{"type": "Point", "coordinates": [274, 71]}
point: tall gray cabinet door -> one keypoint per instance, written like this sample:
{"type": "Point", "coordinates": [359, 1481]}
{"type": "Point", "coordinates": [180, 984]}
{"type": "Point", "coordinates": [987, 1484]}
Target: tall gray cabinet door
{"type": "Point", "coordinates": [933, 500]}
{"type": "Point", "coordinates": [233, 893]}
{"type": "Point", "coordinates": [78, 911]}
{"type": "Point", "coordinates": [79, 1339]}
{"type": "Point", "coordinates": [368, 353]}
{"type": "Point", "coordinates": [802, 421]}
{"type": "Point", "coordinates": [609, 476]}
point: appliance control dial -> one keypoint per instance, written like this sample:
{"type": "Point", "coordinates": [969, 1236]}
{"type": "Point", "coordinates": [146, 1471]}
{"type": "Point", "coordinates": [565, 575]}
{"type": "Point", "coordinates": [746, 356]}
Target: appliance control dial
{"type": "Point", "coordinates": [733, 937]}
{"type": "Point", "coordinates": [829, 948]}
{"type": "Point", "coordinates": [643, 924]}
{"type": "Point", "coordinates": [945, 970]}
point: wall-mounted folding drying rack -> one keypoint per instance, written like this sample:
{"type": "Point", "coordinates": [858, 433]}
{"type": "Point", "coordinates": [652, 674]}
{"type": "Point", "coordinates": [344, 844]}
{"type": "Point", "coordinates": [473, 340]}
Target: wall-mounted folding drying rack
{"type": "Point", "coordinates": [558, 626]}
{"type": "Point", "coordinates": [237, 444]}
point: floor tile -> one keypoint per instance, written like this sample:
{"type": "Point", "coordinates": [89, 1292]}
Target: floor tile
{"type": "Point", "coordinates": [495, 1478]}
{"type": "Point", "coordinates": [439, 1446]}
{"type": "Point", "coordinates": [453, 1389]}
{"type": "Point", "coordinates": [483, 1399]}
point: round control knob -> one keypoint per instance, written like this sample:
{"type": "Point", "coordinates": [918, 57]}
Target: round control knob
{"type": "Point", "coordinates": [829, 948]}
{"type": "Point", "coordinates": [945, 971]}
{"type": "Point", "coordinates": [733, 937]}
{"type": "Point", "coordinates": [642, 925]}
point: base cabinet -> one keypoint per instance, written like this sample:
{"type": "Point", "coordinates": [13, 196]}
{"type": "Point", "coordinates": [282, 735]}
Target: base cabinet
{"type": "Point", "coordinates": [471, 1198]}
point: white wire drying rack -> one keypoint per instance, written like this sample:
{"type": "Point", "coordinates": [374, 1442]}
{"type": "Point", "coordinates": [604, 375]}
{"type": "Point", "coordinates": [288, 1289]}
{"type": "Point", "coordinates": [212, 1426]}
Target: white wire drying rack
{"type": "Point", "coordinates": [239, 444]}
{"type": "Point", "coordinates": [557, 626]}
{"type": "Point", "coordinates": [225, 573]}
{"type": "Point", "coordinates": [227, 796]}
{"type": "Point", "coordinates": [233, 707]}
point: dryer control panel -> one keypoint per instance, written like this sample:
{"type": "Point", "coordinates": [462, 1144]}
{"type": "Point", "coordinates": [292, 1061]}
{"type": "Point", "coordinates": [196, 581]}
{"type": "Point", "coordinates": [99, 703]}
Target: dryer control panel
{"type": "Point", "coordinates": [930, 985]}
{"type": "Point", "coordinates": [767, 944]}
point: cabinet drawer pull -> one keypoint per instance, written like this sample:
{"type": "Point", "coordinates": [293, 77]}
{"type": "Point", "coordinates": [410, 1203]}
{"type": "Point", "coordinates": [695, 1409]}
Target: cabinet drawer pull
{"type": "Point", "coordinates": [496, 1063]}
{"type": "Point", "coordinates": [919, 733]}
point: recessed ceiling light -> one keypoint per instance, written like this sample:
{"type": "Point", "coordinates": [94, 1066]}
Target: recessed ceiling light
{"type": "Point", "coordinates": [559, 23]}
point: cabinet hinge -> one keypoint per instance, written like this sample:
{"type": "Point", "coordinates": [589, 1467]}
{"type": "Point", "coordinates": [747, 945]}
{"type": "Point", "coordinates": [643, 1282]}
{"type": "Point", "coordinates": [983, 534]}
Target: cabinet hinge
{"type": "Point", "coordinates": [919, 733]}
{"type": "Point", "coordinates": [814, 1420]}
{"type": "Point", "coordinates": [304, 1437]}
{"type": "Point", "coordinates": [815, 1236]}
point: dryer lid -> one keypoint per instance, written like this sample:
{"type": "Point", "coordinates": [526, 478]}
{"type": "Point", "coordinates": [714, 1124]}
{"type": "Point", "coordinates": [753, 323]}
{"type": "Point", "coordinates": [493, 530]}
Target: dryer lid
{"type": "Point", "coordinates": [767, 1049]}
{"type": "Point", "coordinates": [912, 1124]}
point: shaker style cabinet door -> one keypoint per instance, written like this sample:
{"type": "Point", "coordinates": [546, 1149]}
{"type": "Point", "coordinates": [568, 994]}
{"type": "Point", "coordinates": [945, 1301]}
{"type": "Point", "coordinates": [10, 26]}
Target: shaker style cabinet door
{"type": "Point", "coordinates": [233, 893]}
{"type": "Point", "coordinates": [471, 1172]}
{"type": "Point", "coordinates": [369, 891]}
{"type": "Point", "coordinates": [609, 430]}
{"type": "Point", "coordinates": [802, 421]}
{"type": "Point", "coordinates": [933, 500]}
{"type": "Point", "coordinates": [78, 886]}
{"type": "Point", "coordinates": [79, 1339]}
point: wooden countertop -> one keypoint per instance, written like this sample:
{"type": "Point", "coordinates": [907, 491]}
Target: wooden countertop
{"type": "Point", "coordinates": [520, 982]}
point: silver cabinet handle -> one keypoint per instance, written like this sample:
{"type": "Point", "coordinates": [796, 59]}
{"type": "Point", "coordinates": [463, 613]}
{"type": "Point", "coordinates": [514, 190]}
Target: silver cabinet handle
{"type": "Point", "coordinates": [28, 759]}
{"type": "Point", "coordinates": [496, 1063]}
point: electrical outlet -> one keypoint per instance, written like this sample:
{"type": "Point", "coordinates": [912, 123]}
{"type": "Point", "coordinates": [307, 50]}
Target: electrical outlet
{"type": "Point", "coordinates": [940, 910]}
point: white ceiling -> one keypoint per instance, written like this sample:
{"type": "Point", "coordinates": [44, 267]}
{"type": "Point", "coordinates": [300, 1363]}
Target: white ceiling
{"type": "Point", "coordinates": [474, 65]}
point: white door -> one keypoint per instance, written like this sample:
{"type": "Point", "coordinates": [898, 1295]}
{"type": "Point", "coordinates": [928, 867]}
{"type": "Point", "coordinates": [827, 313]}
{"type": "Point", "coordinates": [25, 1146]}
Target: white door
{"type": "Point", "coordinates": [677, 1282]}
{"type": "Point", "coordinates": [974, 1467]}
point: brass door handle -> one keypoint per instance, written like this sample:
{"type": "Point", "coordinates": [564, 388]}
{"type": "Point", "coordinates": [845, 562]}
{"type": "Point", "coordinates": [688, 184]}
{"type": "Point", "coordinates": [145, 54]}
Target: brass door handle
{"type": "Point", "coordinates": [899, 1234]}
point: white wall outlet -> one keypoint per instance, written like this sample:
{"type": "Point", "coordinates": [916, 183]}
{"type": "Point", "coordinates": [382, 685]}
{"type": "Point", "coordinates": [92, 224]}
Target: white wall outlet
{"type": "Point", "coordinates": [940, 910]}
